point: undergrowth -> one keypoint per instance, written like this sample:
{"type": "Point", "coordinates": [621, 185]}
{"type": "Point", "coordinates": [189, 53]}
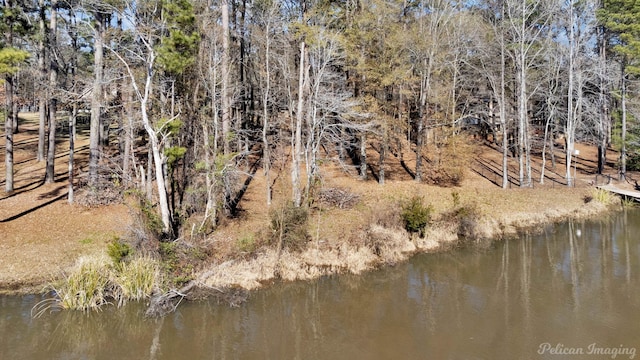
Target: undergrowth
{"type": "Point", "coordinates": [289, 227]}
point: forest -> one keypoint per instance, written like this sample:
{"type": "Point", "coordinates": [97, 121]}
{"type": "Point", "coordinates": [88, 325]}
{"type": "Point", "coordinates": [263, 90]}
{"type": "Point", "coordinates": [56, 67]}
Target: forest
{"type": "Point", "coordinates": [186, 99]}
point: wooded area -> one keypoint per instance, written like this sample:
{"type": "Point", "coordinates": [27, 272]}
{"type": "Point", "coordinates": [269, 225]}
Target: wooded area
{"type": "Point", "coordinates": [186, 98]}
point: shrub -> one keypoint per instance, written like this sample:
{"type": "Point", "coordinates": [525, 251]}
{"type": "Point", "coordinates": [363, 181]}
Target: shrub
{"type": "Point", "coordinates": [416, 215]}
{"type": "Point", "coordinates": [118, 250]}
{"type": "Point", "coordinates": [387, 216]}
{"type": "Point", "coordinates": [148, 218]}
{"type": "Point", "coordinates": [247, 244]}
{"type": "Point", "coordinates": [289, 226]}
{"type": "Point", "coordinates": [455, 196]}
{"type": "Point", "coordinates": [465, 217]}
{"type": "Point", "coordinates": [633, 161]}
{"type": "Point", "coordinates": [468, 220]}
{"type": "Point", "coordinates": [180, 260]}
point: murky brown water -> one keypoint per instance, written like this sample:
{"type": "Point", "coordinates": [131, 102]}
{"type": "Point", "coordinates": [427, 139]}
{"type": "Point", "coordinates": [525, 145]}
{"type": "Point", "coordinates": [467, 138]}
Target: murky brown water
{"type": "Point", "coordinates": [575, 288]}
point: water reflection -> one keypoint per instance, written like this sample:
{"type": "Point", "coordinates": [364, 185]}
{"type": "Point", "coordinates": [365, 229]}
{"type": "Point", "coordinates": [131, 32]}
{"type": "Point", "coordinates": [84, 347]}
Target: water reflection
{"type": "Point", "coordinates": [573, 284]}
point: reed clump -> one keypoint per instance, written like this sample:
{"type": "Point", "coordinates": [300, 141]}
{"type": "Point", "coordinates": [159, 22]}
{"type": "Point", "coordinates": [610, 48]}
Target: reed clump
{"type": "Point", "coordinates": [603, 196]}
{"type": "Point", "coordinates": [137, 279]}
{"type": "Point", "coordinates": [87, 287]}
{"type": "Point", "coordinates": [97, 281]}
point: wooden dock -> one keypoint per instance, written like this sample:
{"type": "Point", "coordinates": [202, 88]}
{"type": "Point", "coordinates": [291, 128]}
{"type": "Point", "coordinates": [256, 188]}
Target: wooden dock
{"type": "Point", "coordinates": [630, 194]}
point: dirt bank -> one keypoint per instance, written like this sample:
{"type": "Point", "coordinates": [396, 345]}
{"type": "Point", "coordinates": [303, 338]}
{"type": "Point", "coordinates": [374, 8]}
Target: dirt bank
{"type": "Point", "coordinates": [358, 239]}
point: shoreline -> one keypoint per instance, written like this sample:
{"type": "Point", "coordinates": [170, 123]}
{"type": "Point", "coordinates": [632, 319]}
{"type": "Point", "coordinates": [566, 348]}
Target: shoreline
{"type": "Point", "coordinates": [392, 245]}
{"type": "Point", "coordinates": [369, 245]}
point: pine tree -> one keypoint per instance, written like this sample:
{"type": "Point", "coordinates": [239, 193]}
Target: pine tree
{"type": "Point", "coordinates": [12, 22]}
{"type": "Point", "coordinates": [621, 19]}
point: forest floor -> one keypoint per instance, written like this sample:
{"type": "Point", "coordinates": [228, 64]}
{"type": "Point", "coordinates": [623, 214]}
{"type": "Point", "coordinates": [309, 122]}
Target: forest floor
{"type": "Point", "coordinates": [42, 236]}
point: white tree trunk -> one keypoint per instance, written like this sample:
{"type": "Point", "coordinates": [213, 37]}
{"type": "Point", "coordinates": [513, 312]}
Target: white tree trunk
{"type": "Point", "coordinates": [296, 144]}
{"type": "Point", "coordinates": [96, 99]}
{"type": "Point", "coordinates": [226, 98]}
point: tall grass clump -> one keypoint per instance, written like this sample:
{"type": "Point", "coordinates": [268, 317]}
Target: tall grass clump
{"type": "Point", "coordinates": [87, 287]}
{"type": "Point", "coordinates": [416, 215]}
{"type": "Point", "coordinates": [137, 279]}
{"type": "Point", "coordinates": [603, 196]}
{"type": "Point", "coordinates": [628, 203]}
{"type": "Point", "coordinates": [97, 281]}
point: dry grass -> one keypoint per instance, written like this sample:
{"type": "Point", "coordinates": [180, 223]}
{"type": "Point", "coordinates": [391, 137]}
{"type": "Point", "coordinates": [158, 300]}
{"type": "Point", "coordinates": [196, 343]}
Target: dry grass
{"type": "Point", "coordinates": [137, 279]}
{"type": "Point", "coordinates": [370, 233]}
{"type": "Point", "coordinates": [96, 281]}
{"type": "Point", "coordinates": [345, 236]}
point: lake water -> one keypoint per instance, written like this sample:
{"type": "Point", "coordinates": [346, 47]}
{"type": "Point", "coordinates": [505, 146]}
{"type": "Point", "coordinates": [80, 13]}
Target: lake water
{"type": "Point", "coordinates": [571, 292]}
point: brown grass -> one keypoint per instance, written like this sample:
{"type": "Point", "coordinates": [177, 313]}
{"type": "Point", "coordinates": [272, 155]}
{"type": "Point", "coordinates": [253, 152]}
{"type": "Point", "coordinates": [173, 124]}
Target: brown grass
{"type": "Point", "coordinates": [366, 234]}
{"type": "Point", "coordinates": [369, 234]}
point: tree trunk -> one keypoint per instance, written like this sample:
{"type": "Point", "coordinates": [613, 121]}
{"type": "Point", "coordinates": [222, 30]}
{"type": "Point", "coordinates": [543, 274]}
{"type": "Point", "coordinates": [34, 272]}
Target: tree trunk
{"type": "Point", "coordinates": [297, 136]}
{"type": "Point", "coordinates": [74, 109]}
{"type": "Point", "coordinates": [226, 97]}
{"type": "Point", "coordinates": [128, 135]}
{"type": "Point", "coordinates": [72, 135]}
{"type": "Point", "coordinates": [522, 117]}
{"type": "Point", "coordinates": [571, 113]}
{"type": "Point", "coordinates": [96, 98]}
{"type": "Point", "coordinates": [603, 123]}
{"type": "Point", "coordinates": [423, 111]}
{"type": "Point", "coordinates": [363, 156]}
{"type": "Point", "coordinates": [8, 124]}
{"type": "Point", "coordinates": [266, 156]}
{"type": "Point", "coordinates": [8, 128]}
{"type": "Point", "coordinates": [503, 112]}
{"type": "Point", "coordinates": [51, 148]}
{"type": "Point", "coordinates": [544, 147]}
{"type": "Point", "coordinates": [623, 148]}
{"type": "Point", "coordinates": [43, 92]}
{"type": "Point", "coordinates": [158, 161]}
{"type": "Point", "coordinates": [383, 154]}
{"type": "Point", "coordinates": [53, 81]}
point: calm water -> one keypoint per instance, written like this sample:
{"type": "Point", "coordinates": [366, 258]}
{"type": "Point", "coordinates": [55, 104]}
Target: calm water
{"type": "Point", "coordinates": [575, 287]}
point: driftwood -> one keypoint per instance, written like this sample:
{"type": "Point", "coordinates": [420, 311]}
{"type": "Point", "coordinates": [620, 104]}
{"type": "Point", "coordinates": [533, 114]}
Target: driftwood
{"type": "Point", "coordinates": [166, 303]}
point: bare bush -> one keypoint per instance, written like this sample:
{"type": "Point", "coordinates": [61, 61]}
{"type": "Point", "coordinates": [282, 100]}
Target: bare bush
{"type": "Point", "coordinates": [104, 192]}
{"type": "Point", "coordinates": [289, 225]}
{"type": "Point", "coordinates": [340, 198]}
{"type": "Point", "coordinates": [387, 216]}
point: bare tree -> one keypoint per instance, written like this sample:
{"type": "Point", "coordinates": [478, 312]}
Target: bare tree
{"type": "Point", "coordinates": [226, 95]}
{"type": "Point", "coordinates": [42, 67]}
{"type": "Point", "coordinates": [296, 139]}
{"type": "Point", "coordinates": [527, 22]}
{"type": "Point", "coordinates": [157, 132]}
{"type": "Point", "coordinates": [432, 27]}
{"type": "Point", "coordinates": [96, 92]}
{"type": "Point", "coordinates": [8, 70]}
{"type": "Point", "coordinates": [53, 83]}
